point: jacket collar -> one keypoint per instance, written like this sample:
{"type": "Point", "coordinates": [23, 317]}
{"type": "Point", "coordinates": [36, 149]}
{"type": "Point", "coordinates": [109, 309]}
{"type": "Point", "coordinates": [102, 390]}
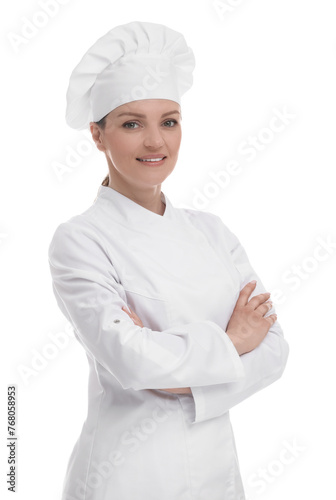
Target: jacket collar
{"type": "Point", "coordinates": [126, 210]}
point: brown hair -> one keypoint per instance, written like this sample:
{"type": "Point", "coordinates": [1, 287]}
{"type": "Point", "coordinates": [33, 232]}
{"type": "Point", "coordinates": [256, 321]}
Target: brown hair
{"type": "Point", "coordinates": [101, 123]}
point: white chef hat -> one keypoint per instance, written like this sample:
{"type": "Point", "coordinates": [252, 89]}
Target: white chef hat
{"type": "Point", "coordinates": [134, 61]}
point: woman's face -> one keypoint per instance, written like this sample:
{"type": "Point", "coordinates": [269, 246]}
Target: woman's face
{"type": "Point", "coordinates": [136, 132]}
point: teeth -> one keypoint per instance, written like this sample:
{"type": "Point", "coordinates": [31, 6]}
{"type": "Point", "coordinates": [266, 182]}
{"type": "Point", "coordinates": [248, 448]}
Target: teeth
{"type": "Point", "coordinates": [152, 159]}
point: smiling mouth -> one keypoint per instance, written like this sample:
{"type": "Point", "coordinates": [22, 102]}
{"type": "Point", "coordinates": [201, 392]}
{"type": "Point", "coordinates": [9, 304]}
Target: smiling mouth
{"type": "Point", "coordinates": [152, 160]}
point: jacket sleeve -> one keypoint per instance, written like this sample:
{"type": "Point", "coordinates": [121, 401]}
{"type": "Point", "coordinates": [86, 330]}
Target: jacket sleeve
{"type": "Point", "coordinates": [262, 366]}
{"type": "Point", "coordinates": [90, 295]}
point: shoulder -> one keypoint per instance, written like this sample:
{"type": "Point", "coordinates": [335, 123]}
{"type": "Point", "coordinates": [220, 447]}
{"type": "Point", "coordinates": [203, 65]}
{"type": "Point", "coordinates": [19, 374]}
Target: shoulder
{"type": "Point", "coordinates": [212, 226]}
{"type": "Point", "coordinates": [76, 234]}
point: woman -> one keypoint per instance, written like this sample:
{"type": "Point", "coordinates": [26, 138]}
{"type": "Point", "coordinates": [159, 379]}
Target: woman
{"type": "Point", "coordinates": [161, 298]}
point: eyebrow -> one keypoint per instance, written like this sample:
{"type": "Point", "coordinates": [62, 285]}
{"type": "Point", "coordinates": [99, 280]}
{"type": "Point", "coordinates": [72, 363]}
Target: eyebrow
{"type": "Point", "coordinates": [144, 116]}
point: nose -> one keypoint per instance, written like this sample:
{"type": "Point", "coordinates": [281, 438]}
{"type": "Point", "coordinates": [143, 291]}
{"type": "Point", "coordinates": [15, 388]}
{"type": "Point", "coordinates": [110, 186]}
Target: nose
{"type": "Point", "coordinates": [153, 138]}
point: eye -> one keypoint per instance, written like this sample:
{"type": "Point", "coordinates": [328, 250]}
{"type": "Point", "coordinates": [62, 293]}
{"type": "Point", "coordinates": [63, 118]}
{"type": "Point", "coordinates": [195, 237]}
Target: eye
{"type": "Point", "coordinates": [125, 125]}
{"type": "Point", "coordinates": [172, 122]}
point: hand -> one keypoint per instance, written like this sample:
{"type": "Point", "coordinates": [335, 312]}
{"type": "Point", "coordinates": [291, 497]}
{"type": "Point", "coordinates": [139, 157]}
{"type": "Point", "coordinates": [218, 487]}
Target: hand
{"type": "Point", "coordinates": [247, 326]}
{"type": "Point", "coordinates": [179, 390]}
{"type": "Point", "coordinates": [137, 321]}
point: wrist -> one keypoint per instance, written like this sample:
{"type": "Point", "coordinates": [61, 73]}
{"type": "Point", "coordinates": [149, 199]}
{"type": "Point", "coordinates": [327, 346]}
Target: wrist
{"type": "Point", "coordinates": [236, 342]}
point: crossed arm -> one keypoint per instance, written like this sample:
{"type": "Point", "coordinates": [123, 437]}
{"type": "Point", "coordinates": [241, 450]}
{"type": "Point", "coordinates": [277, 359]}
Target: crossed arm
{"type": "Point", "coordinates": [247, 327]}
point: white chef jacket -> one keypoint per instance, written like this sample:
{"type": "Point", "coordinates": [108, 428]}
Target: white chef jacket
{"type": "Point", "coordinates": [181, 272]}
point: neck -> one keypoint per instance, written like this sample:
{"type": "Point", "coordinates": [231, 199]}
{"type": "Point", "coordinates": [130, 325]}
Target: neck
{"type": "Point", "coordinates": [148, 197]}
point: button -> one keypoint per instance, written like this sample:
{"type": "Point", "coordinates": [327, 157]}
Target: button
{"type": "Point", "coordinates": [116, 321]}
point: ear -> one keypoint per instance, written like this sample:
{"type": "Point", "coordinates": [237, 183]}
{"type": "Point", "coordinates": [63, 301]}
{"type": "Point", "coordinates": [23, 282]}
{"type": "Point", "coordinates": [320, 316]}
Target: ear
{"type": "Point", "coordinates": [97, 136]}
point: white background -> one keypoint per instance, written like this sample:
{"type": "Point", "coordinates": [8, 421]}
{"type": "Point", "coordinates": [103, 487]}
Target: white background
{"type": "Point", "coordinates": [258, 57]}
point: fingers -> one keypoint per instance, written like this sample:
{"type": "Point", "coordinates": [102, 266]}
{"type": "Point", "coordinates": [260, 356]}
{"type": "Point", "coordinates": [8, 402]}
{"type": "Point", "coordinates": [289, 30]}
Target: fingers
{"type": "Point", "coordinates": [271, 318]}
{"type": "Point", "coordinates": [258, 316]}
{"type": "Point", "coordinates": [136, 320]}
{"type": "Point", "coordinates": [265, 307]}
{"type": "Point", "coordinates": [245, 292]}
{"type": "Point", "coordinates": [257, 301]}
{"type": "Point", "coordinates": [129, 312]}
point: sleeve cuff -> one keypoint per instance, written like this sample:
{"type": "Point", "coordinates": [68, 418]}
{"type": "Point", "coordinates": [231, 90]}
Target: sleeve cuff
{"type": "Point", "coordinates": [236, 361]}
{"type": "Point", "coordinates": [206, 402]}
